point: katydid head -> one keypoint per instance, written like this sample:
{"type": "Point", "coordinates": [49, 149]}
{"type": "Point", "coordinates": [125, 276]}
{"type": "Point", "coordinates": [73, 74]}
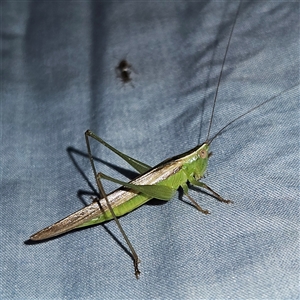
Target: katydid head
{"type": "Point", "coordinates": [203, 156]}
{"type": "Point", "coordinates": [197, 161]}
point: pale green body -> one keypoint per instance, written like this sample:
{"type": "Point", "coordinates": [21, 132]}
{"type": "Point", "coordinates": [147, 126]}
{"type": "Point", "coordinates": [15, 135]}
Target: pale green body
{"type": "Point", "coordinates": [169, 175]}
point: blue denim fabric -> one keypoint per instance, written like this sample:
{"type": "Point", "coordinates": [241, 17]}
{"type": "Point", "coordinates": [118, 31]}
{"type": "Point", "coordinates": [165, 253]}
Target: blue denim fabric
{"type": "Point", "coordinates": [58, 79]}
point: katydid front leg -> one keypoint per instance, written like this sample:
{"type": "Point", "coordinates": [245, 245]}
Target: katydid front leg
{"type": "Point", "coordinates": [203, 185]}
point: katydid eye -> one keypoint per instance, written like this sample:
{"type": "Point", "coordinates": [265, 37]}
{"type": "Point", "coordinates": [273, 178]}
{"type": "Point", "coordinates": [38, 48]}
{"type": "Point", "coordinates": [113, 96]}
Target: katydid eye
{"type": "Point", "coordinates": [203, 153]}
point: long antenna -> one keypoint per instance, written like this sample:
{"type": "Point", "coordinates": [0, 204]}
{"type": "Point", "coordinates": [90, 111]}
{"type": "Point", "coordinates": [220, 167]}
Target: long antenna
{"type": "Point", "coordinates": [221, 72]}
{"type": "Point", "coordinates": [249, 111]}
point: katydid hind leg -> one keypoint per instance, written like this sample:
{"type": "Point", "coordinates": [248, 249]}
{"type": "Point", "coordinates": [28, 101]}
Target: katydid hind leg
{"type": "Point", "coordinates": [136, 164]}
{"type": "Point", "coordinates": [135, 257]}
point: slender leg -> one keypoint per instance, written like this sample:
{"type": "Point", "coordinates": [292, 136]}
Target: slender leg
{"type": "Point", "coordinates": [136, 260]}
{"type": "Point", "coordinates": [185, 191]}
{"type": "Point", "coordinates": [215, 194]}
{"type": "Point", "coordinates": [203, 185]}
{"type": "Point", "coordinates": [205, 211]}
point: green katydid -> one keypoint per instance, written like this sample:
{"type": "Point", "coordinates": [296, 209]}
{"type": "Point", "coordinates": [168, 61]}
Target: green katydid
{"type": "Point", "coordinates": [160, 182]}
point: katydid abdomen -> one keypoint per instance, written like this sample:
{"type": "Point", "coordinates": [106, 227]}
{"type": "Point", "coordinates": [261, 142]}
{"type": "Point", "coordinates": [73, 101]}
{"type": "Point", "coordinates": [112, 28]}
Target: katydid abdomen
{"type": "Point", "coordinates": [95, 213]}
